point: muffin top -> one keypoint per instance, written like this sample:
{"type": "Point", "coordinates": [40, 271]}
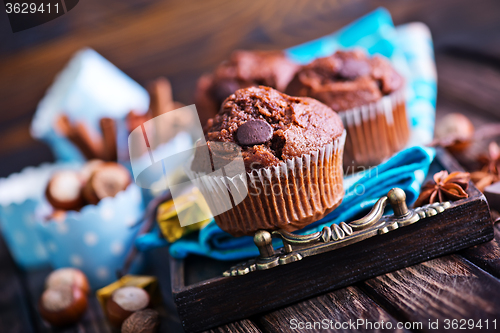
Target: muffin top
{"type": "Point", "coordinates": [243, 69]}
{"type": "Point", "coordinates": [346, 79]}
{"type": "Point", "coordinates": [268, 127]}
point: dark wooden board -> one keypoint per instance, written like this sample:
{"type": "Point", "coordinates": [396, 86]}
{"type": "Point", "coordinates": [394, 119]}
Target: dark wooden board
{"type": "Point", "coordinates": [225, 299]}
{"type": "Point", "coordinates": [476, 85]}
{"type": "Point", "coordinates": [345, 306]}
{"type": "Point", "coordinates": [243, 326]}
{"type": "Point", "coordinates": [441, 289]}
{"type": "Point", "coordinates": [15, 314]}
{"type": "Point", "coordinates": [486, 256]}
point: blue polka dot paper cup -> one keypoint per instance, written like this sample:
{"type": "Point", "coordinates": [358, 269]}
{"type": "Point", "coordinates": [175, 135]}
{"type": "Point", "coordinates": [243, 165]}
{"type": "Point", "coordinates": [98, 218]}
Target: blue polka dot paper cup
{"type": "Point", "coordinates": [97, 238]}
{"type": "Point", "coordinates": [20, 195]}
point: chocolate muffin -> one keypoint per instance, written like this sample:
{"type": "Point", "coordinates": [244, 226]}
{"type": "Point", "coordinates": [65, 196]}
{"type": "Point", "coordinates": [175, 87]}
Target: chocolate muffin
{"type": "Point", "coordinates": [368, 94]}
{"type": "Point", "coordinates": [243, 69]}
{"type": "Point", "coordinates": [345, 80]}
{"type": "Point", "coordinates": [291, 149]}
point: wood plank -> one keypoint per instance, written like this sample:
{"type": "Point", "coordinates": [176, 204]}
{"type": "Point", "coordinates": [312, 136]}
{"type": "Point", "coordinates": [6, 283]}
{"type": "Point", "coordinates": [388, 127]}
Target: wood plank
{"type": "Point", "coordinates": [444, 288]}
{"type": "Point", "coordinates": [487, 255]}
{"type": "Point", "coordinates": [338, 311]}
{"type": "Point", "coordinates": [31, 155]}
{"type": "Point", "coordinates": [15, 137]}
{"type": "Point", "coordinates": [89, 13]}
{"type": "Point", "coordinates": [182, 42]}
{"type": "Point", "coordinates": [471, 83]}
{"type": "Point", "coordinates": [243, 326]}
{"type": "Point", "coordinates": [15, 314]}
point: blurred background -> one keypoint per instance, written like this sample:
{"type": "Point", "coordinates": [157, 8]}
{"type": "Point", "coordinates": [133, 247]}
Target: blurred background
{"type": "Point", "coordinates": [181, 40]}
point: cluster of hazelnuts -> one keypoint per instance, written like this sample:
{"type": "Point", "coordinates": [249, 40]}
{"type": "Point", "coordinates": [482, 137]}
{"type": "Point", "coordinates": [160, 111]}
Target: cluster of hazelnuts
{"type": "Point", "coordinates": [128, 308]}
{"type": "Point", "coordinates": [71, 189]}
{"type": "Point", "coordinates": [65, 301]}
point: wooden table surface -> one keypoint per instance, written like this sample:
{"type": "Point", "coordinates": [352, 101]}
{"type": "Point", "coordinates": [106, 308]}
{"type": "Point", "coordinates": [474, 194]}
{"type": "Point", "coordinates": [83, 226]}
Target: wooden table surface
{"type": "Point", "coordinates": [180, 40]}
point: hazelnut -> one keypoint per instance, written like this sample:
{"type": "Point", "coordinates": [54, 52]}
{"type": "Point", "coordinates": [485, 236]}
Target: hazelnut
{"type": "Point", "coordinates": [67, 277]}
{"type": "Point", "coordinates": [124, 302]}
{"type": "Point", "coordinates": [62, 306]}
{"type": "Point", "coordinates": [89, 168]}
{"type": "Point", "coordinates": [454, 131]}
{"type": "Point", "coordinates": [64, 190]}
{"type": "Point", "coordinates": [106, 181]}
{"type": "Point", "coordinates": [144, 321]}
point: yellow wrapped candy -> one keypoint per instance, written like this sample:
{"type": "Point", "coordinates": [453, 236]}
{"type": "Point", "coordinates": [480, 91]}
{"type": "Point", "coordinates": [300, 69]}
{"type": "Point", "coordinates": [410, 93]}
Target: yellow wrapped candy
{"type": "Point", "coordinates": [192, 206]}
{"type": "Point", "coordinates": [148, 283]}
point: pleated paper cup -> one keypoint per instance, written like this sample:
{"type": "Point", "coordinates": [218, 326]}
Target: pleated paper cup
{"type": "Point", "coordinates": [20, 197]}
{"type": "Point", "coordinates": [288, 196]}
{"type": "Point", "coordinates": [96, 239]}
{"type": "Point", "coordinates": [375, 131]}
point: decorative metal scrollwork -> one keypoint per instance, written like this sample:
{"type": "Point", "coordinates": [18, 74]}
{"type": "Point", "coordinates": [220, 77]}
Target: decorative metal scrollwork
{"type": "Point", "coordinates": [296, 247]}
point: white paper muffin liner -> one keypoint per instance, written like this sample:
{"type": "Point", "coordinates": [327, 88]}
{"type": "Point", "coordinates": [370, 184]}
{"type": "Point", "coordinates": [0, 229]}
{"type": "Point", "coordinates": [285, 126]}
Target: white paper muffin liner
{"type": "Point", "coordinates": [20, 196]}
{"type": "Point", "coordinates": [288, 196]}
{"type": "Point", "coordinates": [375, 131]}
{"type": "Point", "coordinates": [97, 238]}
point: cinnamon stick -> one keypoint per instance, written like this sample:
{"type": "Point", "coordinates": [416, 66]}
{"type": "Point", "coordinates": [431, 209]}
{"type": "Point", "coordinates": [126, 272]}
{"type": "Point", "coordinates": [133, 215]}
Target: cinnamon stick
{"type": "Point", "coordinates": [80, 136]}
{"type": "Point", "coordinates": [161, 101]}
{"type": "Point", "coordinates": [108, 128]}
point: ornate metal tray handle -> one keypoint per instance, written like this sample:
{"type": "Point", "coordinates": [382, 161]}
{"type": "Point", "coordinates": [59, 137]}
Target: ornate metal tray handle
{"type": "Point", "coordinates": [296, 247]}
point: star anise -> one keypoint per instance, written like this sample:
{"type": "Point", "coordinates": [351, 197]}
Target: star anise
{"type": "Point", "coordinates": [490, 173]}
{"type": "Point", "coordinates": [445, 187]}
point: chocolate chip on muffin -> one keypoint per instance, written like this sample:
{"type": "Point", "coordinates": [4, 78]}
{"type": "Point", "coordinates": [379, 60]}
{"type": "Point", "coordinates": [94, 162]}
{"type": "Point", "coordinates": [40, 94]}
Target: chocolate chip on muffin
{"type": "Point", "coordinates": [254, 132]}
